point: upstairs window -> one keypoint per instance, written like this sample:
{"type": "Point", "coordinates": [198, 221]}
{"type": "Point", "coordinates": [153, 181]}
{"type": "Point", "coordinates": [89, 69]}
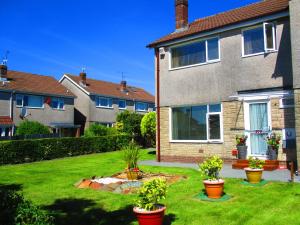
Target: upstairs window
{"type": "Point", "coordinates": [260, 39]}
{"type": "Point", "coordinates": [195, 53]}
{"type": "Point", "coordinates": [58, 103]}
{"type": "Point", "coordinates": [104, 102]}
{"type": "Point", "coordinates": [31, 101]}
{"type": "Point", "coordinates": [141, 106]}
{"type": "Point", "coordinates": [122, 104]}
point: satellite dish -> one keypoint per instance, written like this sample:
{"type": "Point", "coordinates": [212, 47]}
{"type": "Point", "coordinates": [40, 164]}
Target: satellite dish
{"type": "Point", "coordinates": [23, 113]}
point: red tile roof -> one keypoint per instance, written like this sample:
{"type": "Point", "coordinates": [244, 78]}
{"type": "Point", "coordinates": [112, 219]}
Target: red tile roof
{"type": "Point", "coordinates": [6, 120]}
{"type": "Point", "coordinates": [33, 83]}
{"type": "Point", "coordinates": [113, 89]}
{"type": "Point", "coordinates": [249, 12]}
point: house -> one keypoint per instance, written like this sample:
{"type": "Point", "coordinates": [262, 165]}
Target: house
{"type": "Point", "coordinates": [34, 97]}
{"type": "Point", "coordinates": [236, 72]}
{"type": "Point", "coordinates": [100, 101]}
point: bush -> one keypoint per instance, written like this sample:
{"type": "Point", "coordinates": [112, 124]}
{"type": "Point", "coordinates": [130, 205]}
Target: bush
{"type": "Point", "coordinates": [148, 127]}
{"type": "Point", "coordinates": [12, 152]}
{"type": "Point", "coordinates": [15, 210]}
{"type": "Point", "coordinates": [211, 168]}
{"type": "Point", "coordinates": [31, 127]}
{"type": "Point", "coordinates": [131, 124]}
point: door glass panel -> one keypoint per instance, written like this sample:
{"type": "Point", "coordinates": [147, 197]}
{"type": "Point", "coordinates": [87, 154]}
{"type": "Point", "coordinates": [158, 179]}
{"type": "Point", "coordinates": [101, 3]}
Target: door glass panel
{"type": "Point", "coordinates": [259, 128]}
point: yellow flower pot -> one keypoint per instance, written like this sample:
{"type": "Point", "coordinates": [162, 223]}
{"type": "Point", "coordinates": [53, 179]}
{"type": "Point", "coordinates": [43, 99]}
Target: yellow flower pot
{"type": "Point", "coordinates": [253, 175]}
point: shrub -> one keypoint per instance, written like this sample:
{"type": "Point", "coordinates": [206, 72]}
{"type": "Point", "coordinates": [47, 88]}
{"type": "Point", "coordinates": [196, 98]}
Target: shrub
{"type": "Point", "coordinates": [31, 150]}
{"type": "Point", "coordinates": [131, 124]}
{"type": "Point", "coordinates": [95, 130]}
{"type": "Point", "coordinates": [31, 127]}
{"type": "Point", "coordinates": [151, 193]}
{"type": "Point", "coordinates": [211, 168]}
{"type": "Point", "coordinates": [148, 127]}
{"type": "Point", "coordinates": [15, 210]}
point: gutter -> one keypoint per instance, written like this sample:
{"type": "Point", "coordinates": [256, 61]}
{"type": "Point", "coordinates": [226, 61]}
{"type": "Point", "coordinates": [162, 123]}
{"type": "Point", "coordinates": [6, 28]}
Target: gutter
{"type": "Point", "coordinates": [157, 104]}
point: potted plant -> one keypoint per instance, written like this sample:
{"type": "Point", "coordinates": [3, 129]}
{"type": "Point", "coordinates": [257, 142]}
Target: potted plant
{"type": "Point", "coordinates": [255, 170]}
{"type": "Point", "coordinates": [241, 146]}
{"type": "Point", "coordinates": [210, 170]}
{"type": "Point", "coordinates": [131, 156]}
{"type": "Point", "coordinates": [273, 141]}
{"type": "Point", "coordinates": [148, 210]}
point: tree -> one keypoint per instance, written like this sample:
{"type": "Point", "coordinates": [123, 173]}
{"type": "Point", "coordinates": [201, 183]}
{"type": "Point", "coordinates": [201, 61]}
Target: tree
{"type": "Point", "coordinates": [148, 127]}
{"type": "Point", "coordinates": [31, 127]}
{"type": "Point", "coordinates": [131, 124]}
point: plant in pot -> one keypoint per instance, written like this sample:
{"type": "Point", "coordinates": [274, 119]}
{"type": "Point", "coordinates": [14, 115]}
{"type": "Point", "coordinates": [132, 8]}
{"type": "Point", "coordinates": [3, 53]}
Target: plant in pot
{"type": "Point", "coordinates": [241, 146]}
{"type": "Point", "coordinates": [148, 210]}
{"type": "Point", "coordinates": [255, 170]}
{"type": "Point", "coordinates": [131, 156]}
{"type": "Point", "coordinates": [210, 170]}
{"type": "Point", "coordinates": [273, 141]}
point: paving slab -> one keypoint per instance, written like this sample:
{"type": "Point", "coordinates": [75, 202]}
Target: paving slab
{"type": "Point", "coordinates": [227, 171]}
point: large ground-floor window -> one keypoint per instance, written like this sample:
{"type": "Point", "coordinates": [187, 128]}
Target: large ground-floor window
{"type": "Point", "coordinates": [197, 123]}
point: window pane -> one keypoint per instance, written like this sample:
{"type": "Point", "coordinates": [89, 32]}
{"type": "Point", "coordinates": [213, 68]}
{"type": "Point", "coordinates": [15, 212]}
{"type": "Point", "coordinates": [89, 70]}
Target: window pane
{"type": "Point", "coordinates": [122, 104]}
{"type": "Point", "coordinates": [214, 127]}
{"type": "Point", "coordinates": [61, 104]}
{"type": "Point", "coordinates": [189, 123]}
{"type": "Point", "coordinates": [215, 108]}
{"type": "Point", "coordinates": [19, 100]}
{"type": "Point", "coordinates": [103, 102]}
{"type": "Point", "coordinates": [253, 41]}
{"type": "Point", "coordinates": [269, 36]}
{"type": "Point", "coordinates": [55, 103]}
{"type": "Point", "coordinates": [141, 106]}
{"type": "Point", "coordinates": [213, 48]}
{"type": "Point", "coordinates": [35, 101]}
{"type": "Point", "coordinates": [189, 54]}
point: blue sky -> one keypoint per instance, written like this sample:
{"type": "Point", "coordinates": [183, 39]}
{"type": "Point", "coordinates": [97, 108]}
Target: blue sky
{"type": "Point", "coordinates": [107, 37]}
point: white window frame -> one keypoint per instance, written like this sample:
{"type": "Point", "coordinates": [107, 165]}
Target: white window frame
{"type": "Point", "coordinates": [105, 107]}
{"type": "Point", "coordinates": [138, 110]}
{"type": "Point", "coordinates": [29, 107]}
{"type": "Point", "coordinates": [122, 101]}
{"type": "Point", "coordinates": [282, 105]}
{"type": "Point", "coordinates": [264, 38]}
{"type": "Point", "coordinates": [206, 53]}
{"type": "Point", "coordinates": [59, 100]}
{"type": "Point", "coordinates": [211, 141]}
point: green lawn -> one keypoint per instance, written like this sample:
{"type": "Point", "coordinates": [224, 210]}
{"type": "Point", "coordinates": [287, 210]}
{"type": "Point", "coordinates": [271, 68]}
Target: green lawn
{"type": "Point", "coordinates": [50, 185]}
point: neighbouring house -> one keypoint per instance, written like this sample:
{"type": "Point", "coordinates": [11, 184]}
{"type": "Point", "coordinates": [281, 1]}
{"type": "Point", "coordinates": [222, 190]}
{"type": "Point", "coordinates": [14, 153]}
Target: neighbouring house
{"type": "Point", "coordinates": [100, 101]}
{"type": "Point", "coordinates": [37, 98]}
{"type": "Point", "coordinates": [236, 72]}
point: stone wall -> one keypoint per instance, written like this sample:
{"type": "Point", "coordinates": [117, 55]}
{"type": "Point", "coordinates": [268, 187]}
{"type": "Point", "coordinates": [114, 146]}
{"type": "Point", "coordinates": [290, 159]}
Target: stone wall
{"type": "Point", "coordinates": [297, 122]}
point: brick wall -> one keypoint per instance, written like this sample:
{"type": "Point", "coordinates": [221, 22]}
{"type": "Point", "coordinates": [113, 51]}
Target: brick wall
{"type": "Point", "coordinates": [233, 123]}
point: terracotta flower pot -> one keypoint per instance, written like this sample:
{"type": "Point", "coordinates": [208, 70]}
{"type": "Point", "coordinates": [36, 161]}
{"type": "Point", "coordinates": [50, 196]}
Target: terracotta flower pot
{"type": "Point", "coordinates": [150, 217]}
{"type": "Point", "coordinates": [253, 175]}
{"type": "Point", "coordinates": [214, 189]}
{"type": "Point", "coordinates": [132, 175]}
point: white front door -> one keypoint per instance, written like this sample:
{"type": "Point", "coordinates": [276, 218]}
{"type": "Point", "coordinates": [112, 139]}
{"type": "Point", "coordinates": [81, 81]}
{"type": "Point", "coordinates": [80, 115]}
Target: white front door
{"type": "Point", "coordinates": [257, 126]}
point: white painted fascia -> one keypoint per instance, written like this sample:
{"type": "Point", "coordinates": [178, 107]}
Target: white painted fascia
{"type": "Point", "coordinates": [73, 82]}
{"type": "Point", "coordinates": [261, 95]}
{"type": "Point", "coordinates": [223, 29]}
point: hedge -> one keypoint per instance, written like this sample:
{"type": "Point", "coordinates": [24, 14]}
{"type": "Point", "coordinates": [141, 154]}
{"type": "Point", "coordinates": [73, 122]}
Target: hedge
{"type": "Point", "coordinates": [20, 151]}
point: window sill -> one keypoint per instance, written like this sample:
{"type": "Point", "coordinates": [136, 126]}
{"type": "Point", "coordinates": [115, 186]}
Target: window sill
{"type": "Point", "coordinates": [122, 108]}
{"type": "Point", "coordinates": [141, 110]}
{"type": "Point", "coordinates": [27, 107]}
{"type": "Point", "coordinates": [59, 109]}
{"type": "Point", "coordinates": [260, 53]}
{"type": "Point", "coordinates": [200, 64]}
{"type": "Point", "coordinates": [103, 107]}
{"type": "Point", "coordinates": [197, 142]}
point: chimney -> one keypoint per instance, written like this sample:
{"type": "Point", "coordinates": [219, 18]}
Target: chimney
{"type": "Point", "coordinates": [82, 76]}
{"type": "Point", "coordinates": [123, 86]}
{"type": "Point", "coordinates": [181, 13]}
{"type": "Point", "coordinates": [3, 72]}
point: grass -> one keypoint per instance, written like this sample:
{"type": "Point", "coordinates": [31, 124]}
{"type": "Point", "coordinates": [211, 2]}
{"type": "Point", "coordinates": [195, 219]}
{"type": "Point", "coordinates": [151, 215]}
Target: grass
{"type": "Point", "coordinates": [50, 185]}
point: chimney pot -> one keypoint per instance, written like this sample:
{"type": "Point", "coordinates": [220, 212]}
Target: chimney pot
{"type": "Point", "coordinates": [123, 85]}
{"type": "Point", "coordinates": [181, 13]}
{"type": "Point", "coordinates": [82, 76]}
{"type": "Point", "coordinates": [3, 71]}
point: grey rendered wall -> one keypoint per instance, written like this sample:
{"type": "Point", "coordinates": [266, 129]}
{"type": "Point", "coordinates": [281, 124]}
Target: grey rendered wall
{"type": "Point", "coordinates": [4, 103]}
{"type": "Point", "coordinates": [81, 103]}
{"type": "Point", "coordinates": [295, 38]}
{"type": "Point", "coordinates": [216, 82]}
{"type": "Point", "coordinates": [47, 115]}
